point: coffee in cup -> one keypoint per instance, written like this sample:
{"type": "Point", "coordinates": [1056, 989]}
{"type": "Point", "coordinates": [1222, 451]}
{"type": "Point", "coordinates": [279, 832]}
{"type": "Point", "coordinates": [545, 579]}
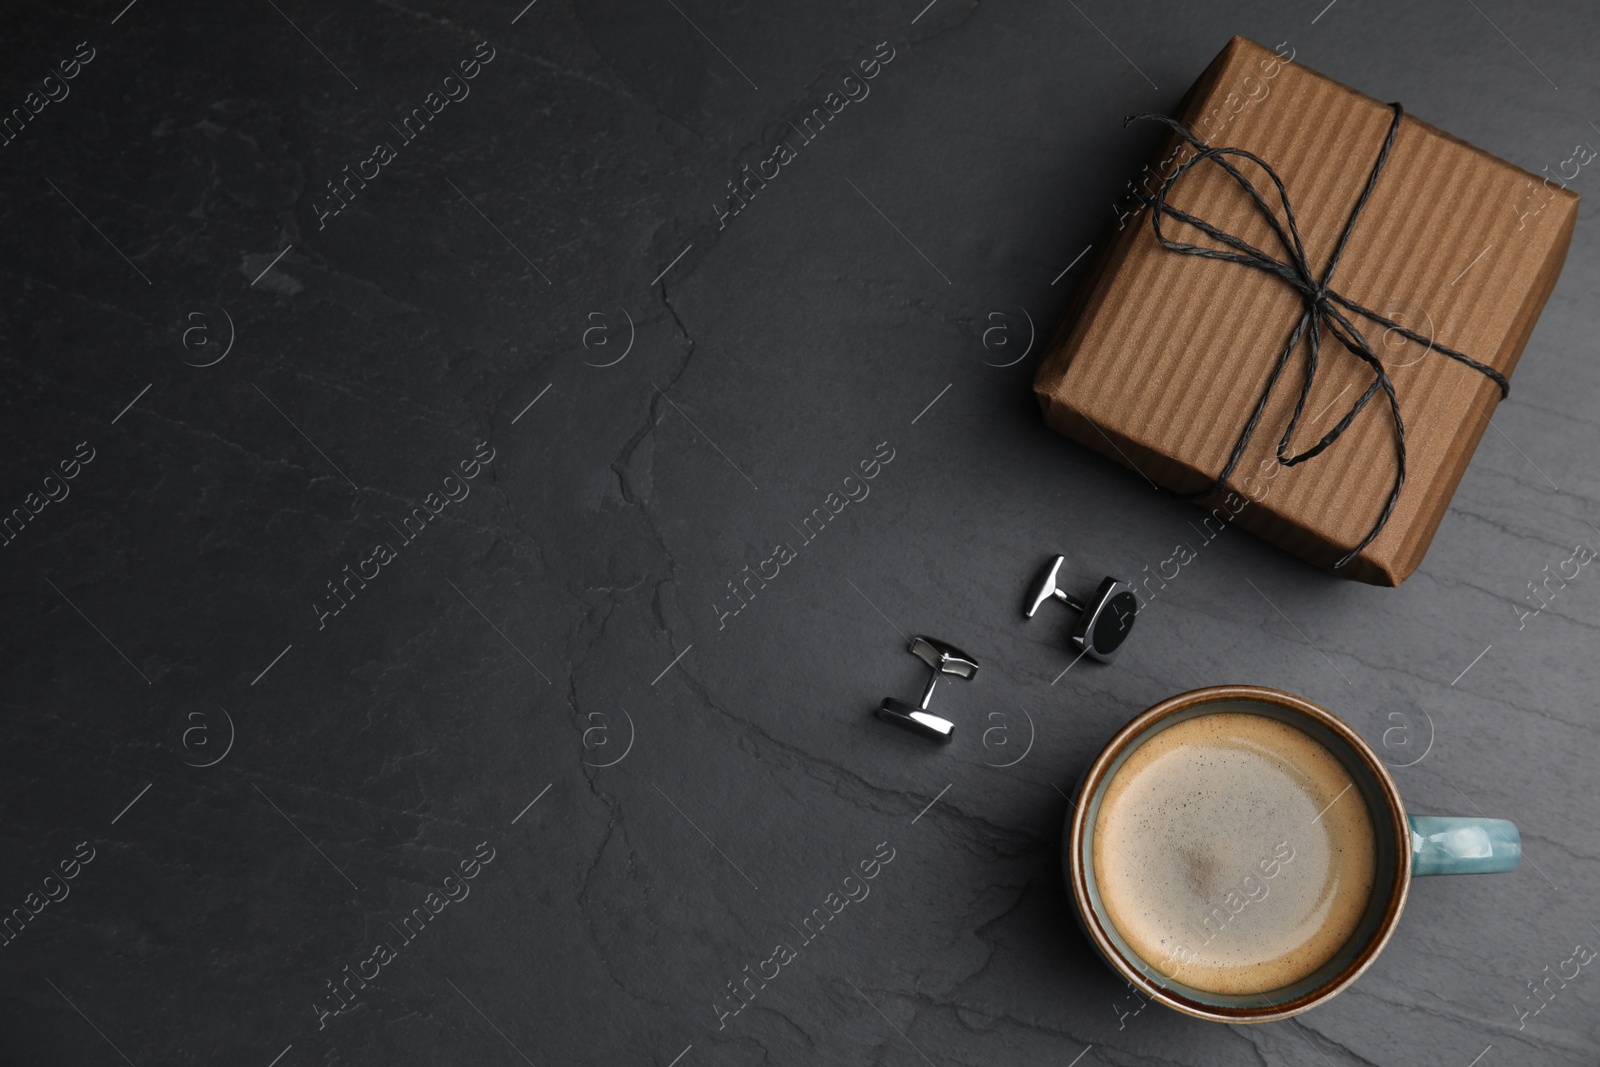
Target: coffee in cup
{"type": "Point", "coordinates": [1240, 854]}
{"type": "Point", "coordinates": [1233, 852]}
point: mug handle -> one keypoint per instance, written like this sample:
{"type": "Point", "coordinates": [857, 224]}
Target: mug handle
{"type": "Point", "coordinates": [1454, 844]}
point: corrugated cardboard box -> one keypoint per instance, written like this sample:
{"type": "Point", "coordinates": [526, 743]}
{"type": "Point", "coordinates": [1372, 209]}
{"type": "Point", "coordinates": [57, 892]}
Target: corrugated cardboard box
{"type": "Point", "coordinates": [1164, 355]}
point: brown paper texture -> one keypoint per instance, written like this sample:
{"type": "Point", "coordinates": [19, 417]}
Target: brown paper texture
{"type": "Point", "coordinates": [1163, 356]}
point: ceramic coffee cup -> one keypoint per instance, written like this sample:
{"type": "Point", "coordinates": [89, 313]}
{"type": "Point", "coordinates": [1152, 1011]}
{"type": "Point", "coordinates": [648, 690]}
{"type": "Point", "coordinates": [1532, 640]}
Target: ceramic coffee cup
{"type": "Point", "coordinates": [1404, 846]}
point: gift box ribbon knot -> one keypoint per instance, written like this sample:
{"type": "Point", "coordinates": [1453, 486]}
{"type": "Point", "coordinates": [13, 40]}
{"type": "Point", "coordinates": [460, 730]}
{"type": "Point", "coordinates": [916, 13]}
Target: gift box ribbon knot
{"type": "Point", "coordinates": [1325, 308]}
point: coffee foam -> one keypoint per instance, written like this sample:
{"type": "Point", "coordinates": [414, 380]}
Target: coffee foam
{"type": "Point", "coordinates": [1234, 853]}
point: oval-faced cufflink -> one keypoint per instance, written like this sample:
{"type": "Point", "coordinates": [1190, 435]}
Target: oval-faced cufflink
{"type": "Point", "coordinates": [1103, 623]}
{"type": "Point", "coordinates": [916, 718]}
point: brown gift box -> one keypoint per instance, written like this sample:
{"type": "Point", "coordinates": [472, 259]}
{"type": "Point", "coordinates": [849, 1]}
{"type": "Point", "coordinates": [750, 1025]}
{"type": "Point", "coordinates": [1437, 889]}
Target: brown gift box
{"type": "Point", "coordinates": [1164, 356]}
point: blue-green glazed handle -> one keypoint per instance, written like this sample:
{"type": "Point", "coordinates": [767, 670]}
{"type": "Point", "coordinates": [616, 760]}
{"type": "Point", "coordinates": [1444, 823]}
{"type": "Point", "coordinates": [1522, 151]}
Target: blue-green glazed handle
{"type": "Point", "coordinates": [1451, 844]}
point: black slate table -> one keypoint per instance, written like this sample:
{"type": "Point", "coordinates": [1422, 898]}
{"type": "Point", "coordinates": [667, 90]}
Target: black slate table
{"type": "Point", "coordinates": [492, 286]}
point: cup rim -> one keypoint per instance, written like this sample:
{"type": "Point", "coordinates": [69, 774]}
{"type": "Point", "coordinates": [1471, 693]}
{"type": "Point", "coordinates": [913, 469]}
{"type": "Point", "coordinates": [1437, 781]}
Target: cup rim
{"type": "Point", "coordinates": [1078, 874]}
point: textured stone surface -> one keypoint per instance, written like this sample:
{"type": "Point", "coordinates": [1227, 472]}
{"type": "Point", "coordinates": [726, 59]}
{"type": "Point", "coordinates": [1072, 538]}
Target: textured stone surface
{"type": "Point", "coordinates": [524, 639]}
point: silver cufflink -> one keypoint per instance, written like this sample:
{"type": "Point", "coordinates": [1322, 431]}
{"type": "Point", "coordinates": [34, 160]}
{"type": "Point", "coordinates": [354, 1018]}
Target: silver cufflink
{"type": "Point", "coordinates": [1103, 623]}
{"type": "Point", "coordinates": [944, 659]}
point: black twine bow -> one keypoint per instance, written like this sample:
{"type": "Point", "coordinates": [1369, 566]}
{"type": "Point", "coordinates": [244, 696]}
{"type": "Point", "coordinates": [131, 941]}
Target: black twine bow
{"type": "Point", "coordinates": [1322, 308]}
